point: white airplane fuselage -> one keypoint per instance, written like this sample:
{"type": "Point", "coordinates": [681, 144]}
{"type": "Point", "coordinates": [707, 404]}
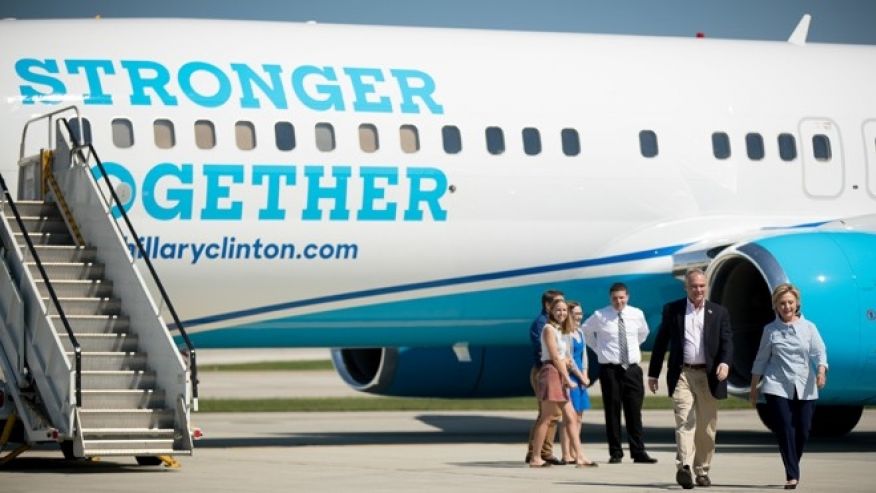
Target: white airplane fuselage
{"type": "Point", "coordinates": [404, 242]}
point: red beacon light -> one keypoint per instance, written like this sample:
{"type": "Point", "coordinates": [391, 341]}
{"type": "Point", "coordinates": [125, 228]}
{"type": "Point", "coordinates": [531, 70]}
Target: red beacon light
{"type": "Point", "coordinates": [701, 35]}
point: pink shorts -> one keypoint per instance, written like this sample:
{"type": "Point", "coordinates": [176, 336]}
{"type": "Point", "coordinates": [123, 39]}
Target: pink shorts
{"type": "Point", "coordinates": [550, 385]}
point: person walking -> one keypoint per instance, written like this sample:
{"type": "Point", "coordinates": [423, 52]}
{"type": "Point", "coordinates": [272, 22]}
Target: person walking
{"type": "Point", "coordinates": [698, 336]}
{"type": "Point", "coordinates": [792, 360]}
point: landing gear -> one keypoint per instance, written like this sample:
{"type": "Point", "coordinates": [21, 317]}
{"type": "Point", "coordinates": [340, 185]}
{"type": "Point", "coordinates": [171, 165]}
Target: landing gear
{"type": "Point", "coordinates": [829, 421]}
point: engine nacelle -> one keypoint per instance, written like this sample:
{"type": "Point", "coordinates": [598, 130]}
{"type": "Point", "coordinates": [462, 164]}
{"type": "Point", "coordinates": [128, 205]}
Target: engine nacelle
{"type": "Point", "coordinates": [496, 371]}
{"type": "Point", "coordinates": [836, 274]}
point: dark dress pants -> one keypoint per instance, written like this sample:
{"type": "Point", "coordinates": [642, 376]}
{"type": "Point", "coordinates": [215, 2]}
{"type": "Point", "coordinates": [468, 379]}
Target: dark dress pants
{"type": "Point", "coordinates": [622, 389]}
{"type": "Point", "coordinates": [791, 420]}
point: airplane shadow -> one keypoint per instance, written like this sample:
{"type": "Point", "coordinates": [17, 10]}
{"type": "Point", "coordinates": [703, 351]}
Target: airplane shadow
{"type": "Point", "coordinates": [467, 428]}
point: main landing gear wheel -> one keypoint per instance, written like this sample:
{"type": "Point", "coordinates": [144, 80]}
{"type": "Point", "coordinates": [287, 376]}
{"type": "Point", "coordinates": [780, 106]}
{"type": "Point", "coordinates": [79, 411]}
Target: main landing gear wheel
{"type": "Point", "coordinates": [148, 460]}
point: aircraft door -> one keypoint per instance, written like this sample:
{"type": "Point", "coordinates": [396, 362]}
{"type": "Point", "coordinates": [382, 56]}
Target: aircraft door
{"type": "Point", "coordinates": [822, 153]}
{"type": "Point", "coordinates": [870, 149]}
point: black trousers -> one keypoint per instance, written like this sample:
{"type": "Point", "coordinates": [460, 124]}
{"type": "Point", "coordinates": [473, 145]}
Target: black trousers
{"type": "Point", "coordinates": [622, 389]}
{"type": "Point", "coordinates": [792, 419]}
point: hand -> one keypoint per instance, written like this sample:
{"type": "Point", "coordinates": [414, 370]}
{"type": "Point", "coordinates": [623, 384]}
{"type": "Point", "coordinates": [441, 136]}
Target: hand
{"type": "Point", "coordinates": [722, 372]}
{"type": "Point", "coordinates": [653, 385]}
{"type": "Point", "coordinates": [752, 396]}
{"type": "Point", "coordinates": [585, 380]}
{"type": "Point", "coordinates": [820, 380]}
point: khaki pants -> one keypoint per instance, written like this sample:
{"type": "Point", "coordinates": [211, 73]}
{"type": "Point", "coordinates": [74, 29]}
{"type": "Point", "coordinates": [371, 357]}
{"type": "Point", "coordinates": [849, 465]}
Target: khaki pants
{"type": "Point", "coordinates": [696, 421]}
{"type": "Point", "coordinates": [547, 448]}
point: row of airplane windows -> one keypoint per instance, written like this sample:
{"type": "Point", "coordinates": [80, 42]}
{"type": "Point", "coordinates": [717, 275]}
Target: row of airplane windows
{"type": "Point", "coordinates": [164, 135]}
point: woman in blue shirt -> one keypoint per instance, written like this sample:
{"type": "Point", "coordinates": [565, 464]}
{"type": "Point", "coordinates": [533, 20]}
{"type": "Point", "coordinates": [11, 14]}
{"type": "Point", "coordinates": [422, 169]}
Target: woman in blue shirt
{"type": "Point", "coordinates": [793, 363]}
{"type": "Point", "coordinates": [578, 393]}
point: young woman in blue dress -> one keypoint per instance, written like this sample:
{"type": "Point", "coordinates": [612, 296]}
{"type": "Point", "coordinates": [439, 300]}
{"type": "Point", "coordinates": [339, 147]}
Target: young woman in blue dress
{"type": "Point", "coordinates": [578, 393]}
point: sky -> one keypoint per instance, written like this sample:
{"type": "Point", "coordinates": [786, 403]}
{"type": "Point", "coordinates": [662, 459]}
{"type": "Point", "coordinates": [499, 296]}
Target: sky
{"type": "Point", "coordinates": [833, 21]}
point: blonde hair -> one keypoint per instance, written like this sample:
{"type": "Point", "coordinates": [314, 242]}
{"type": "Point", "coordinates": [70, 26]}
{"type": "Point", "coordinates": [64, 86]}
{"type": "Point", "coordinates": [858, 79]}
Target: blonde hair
{"type": "Point", "coordinates": [782, 290]}
{"type": "Point", "coordinates": [566, 326]}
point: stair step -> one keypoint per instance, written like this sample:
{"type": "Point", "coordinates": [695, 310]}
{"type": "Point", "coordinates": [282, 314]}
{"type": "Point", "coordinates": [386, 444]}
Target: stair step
{"type": "Point", "coordinates": [112, 361]}
{"type": "Point", "coordinates": [150, 447]}
{"type": "Point", "coordinates": [93, 324]}
{"type": "Point", "coordinates": [37, 208]}
{"type": "Point", "coordinates": [127, 433]}
{"type": "Point", "coordinates": [117, 379]}
{"type": "Point", "coordinates": [126, 418]}
{"type": "Point", "coordinates": [100, 342]}
{"type": "Point", "coordinates": [40, 224]}
{"type": "Point", "coordinates": [45, 239]}
{"type": "Point", "coordinates": [85, 306]}
{"type": "Point", "coordinates": [77, 288]}
{"type": "Point", "coordinates": [122, 399]}
{"type": "Point", "coordinates": [133, 452]}
{"type": "Point", "coordinates": [67, 270]}
{"type": "Point", "coordinates": [61, 253]}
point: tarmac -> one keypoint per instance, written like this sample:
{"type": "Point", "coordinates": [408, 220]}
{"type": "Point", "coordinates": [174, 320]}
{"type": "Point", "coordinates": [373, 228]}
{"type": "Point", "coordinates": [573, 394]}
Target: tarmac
{"type": "Point", "coordinates": [435, 451]}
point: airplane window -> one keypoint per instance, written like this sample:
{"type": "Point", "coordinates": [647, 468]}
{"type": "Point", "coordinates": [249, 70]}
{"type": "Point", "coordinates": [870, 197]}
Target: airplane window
{"type": "Point", "coordinates": [85, 130]}
{"type": "Point", "coordinates": [325, 137]}
{"type": "Point", "coordinates": [368, 137]}
{"type": "Point", "coordinates": [571, 142]}
{"type": "Point", "coordinates": [165, 137]}
{"type": "Point", "coordinates": [787, 147]}
{"type": "Point", "coordinates": [495, 140]}
{"type": "Point", "coordinates": [284, 134]}
{"type": "Point", "coordinates": [648, 143]}
{"type": "Point", "coordinates": [205, 134]}
{"type": "Point", "coordinates": [123, 133]}
{"type": "Point", "coordinates": [410, 138]}
{"type": "Point", "coordinates": [821, 147]}
{"type": "Point", "coordinates": [531, 141]}
{"type": "Point", "coordinates": [244, 135]}
{"type": "Point", "coordinates": [754, 146]}
{"type": "Point", "coordinates": [452, 139]}
{"type": "Point", "coordinates": [720, 145]}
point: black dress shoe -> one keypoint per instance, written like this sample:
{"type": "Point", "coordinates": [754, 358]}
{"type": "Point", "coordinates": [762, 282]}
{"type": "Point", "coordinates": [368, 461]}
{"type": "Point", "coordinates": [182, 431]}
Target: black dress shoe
{"type": "Point", "coordinates": [704, 481]}
{"type": "Point", "coordinates": [615, 460]}
{"type": "Point", "coordinates": [684, 478]}
{"type": "Point", "coordinates": [644, 459]}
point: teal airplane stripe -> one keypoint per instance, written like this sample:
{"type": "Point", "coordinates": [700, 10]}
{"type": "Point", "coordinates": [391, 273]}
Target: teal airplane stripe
{"type": "Point", "coordinates": [491, 276]}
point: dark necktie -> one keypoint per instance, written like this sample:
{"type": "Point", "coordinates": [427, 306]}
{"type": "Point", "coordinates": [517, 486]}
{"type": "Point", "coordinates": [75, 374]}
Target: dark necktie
{"type": "Point", "coordinates": [622, 341]}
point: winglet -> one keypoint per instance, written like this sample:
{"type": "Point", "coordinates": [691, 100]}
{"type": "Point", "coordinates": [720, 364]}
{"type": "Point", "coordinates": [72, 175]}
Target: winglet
{"type": "Point", "coordinates": [798, 37]}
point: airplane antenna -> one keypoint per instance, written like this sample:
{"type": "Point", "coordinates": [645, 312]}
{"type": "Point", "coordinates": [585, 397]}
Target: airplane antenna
{"type": "Point", "coordinates": [798, 37]}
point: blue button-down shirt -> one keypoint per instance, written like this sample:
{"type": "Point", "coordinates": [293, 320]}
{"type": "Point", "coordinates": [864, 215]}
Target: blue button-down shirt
{"type": "Point", "coordinates": [535, 337]}
{"type": "Point", "coordinates": [788, 358]}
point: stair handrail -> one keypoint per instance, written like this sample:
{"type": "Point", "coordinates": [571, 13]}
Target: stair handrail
{"type": "Point", "coordinates": [48, 116]}
{"type": "Point", "coordinates": [78, 149]}
{"type": "Point", "coordinates": [77, 349]}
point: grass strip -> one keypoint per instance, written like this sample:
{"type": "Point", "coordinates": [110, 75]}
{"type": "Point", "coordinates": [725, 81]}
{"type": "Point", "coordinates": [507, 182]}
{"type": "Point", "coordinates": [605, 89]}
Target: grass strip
{"type": "Point", "coordinates": [314, 365]}
{"type": "Point", "coordinates": [364, 404]}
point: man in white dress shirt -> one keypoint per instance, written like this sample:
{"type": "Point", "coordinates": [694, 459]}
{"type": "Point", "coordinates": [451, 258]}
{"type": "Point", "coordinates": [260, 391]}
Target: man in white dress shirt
{"type": "Point", "coordinates": [615, 334]}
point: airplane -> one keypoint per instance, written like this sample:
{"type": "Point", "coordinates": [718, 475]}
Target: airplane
{"type": "Point", "coordinates": [404, 195]}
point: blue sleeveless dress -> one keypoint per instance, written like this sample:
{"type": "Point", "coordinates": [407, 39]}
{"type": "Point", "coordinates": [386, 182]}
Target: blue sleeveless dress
{"type": "Point", "coordinates": [578, 395]}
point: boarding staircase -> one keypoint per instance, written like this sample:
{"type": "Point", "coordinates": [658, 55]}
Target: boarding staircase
{"type": "Point", "coordinates": [86, 356]}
